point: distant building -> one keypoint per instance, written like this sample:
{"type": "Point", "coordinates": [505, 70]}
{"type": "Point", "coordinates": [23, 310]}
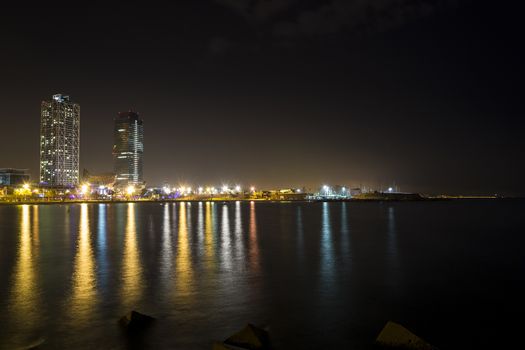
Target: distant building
{"type": "Point", "coordinates": [59, 142]}
{"type": "Point", "coordinates": [288, 194]}
{"type": "Point", "coordinates": [355, 191]}
{"type": "Point", "coordinates": [13, 177]}
{"type": "Point", "coordinates": [128, 150]}
{"type": "Point", "coordinates": [102, 179]}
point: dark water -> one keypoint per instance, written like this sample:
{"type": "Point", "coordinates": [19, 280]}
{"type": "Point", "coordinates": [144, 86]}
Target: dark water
{"type": "Point", "coordinates": [318, 275]}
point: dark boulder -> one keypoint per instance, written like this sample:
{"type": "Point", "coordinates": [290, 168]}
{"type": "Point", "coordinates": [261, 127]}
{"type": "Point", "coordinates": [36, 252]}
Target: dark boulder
{"type": "Point", "coordinates": [250, 338]}
{"type": "Point", "coordinates": [395, 336]}
{"type": "Point", "coordinates": [135, 321]}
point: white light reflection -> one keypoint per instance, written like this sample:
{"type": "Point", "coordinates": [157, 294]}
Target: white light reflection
{"type": "Point", "coordinates": [200, 228]}
{"type": "Point", "coordinates": [327, 253]}
{"type": "Point", "coordinates": [166, 250]}
{"type": "Point", "coordinates": [225, 239]}
{"type": "Point", "coordinates": [239, 246]}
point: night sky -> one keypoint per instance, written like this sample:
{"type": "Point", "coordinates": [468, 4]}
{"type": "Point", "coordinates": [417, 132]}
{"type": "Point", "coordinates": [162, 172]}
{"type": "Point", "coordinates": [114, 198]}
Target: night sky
{"type": "Point", "coordinates": [424, 94]}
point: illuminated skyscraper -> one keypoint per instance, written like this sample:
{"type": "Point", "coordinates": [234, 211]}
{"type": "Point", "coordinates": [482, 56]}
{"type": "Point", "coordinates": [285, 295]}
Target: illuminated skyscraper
{"type": "Point", "coordinates": [128, 149]}
{"type": "Point", "coordinates": [59, 141]}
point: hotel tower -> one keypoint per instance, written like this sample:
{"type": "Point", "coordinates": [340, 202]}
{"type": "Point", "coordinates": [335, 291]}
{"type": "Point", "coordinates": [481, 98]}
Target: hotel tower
{"type": "Point", "coordinates": [59, 141]}
{"type": "Point", "coordinates": [128, 149]}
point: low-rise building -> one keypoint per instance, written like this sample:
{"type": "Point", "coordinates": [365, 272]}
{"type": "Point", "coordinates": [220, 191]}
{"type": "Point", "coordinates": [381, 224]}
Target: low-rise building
{"type": "Point", "coordinates": [13, 177]}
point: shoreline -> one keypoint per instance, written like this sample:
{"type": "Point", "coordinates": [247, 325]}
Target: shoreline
{"type": "Point", "coordinates": [70, 202]}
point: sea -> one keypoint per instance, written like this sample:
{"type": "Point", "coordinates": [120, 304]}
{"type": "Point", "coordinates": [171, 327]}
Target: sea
{"type": "Point", "coordinates": [315, 275]}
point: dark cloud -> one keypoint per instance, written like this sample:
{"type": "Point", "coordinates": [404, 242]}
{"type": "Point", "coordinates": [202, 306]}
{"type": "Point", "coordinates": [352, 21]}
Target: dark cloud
{"type": "Point", "coordinates": [291, 18]}
{"type": "Point", "coordinates": [258, 10]}
{"type": "Point", "coordinates": [220, 45]}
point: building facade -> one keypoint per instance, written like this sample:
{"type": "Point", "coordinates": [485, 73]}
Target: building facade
{"type": "Point", "coordinates": [59, 142]}
{"type": "Point", "coordinates": [13, 177]}
{"type": "Point", "coordinates": [128, 150]}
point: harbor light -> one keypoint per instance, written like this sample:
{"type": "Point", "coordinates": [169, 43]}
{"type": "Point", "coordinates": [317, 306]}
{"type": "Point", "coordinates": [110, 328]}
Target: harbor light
{"type": "Point", "coordinates": [84, 189]}
{"type": "Point", "coordinates": [25, 186]}
{"type": "Point", "coordinates": [390, 189]}
{"type": "Point", "coordinates": [238, 188]}
{"type": "Point", "coordinates": [252, 189]}
{"type": "Point", "coordinates": [130, 190]}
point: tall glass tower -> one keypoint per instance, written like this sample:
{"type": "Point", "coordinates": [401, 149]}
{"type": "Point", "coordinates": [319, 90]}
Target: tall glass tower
{"type": "Point", "coordinates": [59, 141]}
{"type": "Point", "coordinates": [128, 149]}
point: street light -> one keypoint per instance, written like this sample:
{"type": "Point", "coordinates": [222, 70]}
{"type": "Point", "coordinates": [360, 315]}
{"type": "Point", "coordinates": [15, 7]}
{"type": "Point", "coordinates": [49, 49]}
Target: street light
{"type": "Point", "coordinates": [84, 188]}
{"type": "Point", "coordinates": [130, 190]}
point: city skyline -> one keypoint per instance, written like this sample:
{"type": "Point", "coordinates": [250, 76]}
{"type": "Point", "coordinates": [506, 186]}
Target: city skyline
{"type": "Point", "coordinates": [262, 174]}
{"type": "Point", "coordinates": [281, 93]}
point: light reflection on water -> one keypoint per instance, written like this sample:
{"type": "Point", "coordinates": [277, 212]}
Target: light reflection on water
{"type": "Point", "coordinates": [200, 228]}
{"type": "Point", "coordinates": [300, 233]}
{"type": "Point", "coordinates": [327, 250]}
{"type": "Point", "coordinates": [73, 270]}
{"type": "Point", "coordinates": [166, 249]}
{"type": "Point", "coordinates": [238, 238]}
{"type": "Point", "coordinates": [209, 240]}
{"type": "Point", "coordinates": [225, 239]}
{"type": "Point", "coordinates": [102, 258]}
{"type": "Point", "coordinates": [24, 297]}
{"type": "Point", "coordinates": [84, 283]}
{"type": "Point", "coordinates": [345, 234]}
{"type": "Point", "coordinates": [254, 247]}
{"type": "Point", "coordinates": [131, 264]}
{"type": "Point", "coordinates": [392, 253]}
{"type": "Point", "coordinates": [183, 263]}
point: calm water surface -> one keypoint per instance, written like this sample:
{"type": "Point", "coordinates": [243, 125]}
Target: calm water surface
{"type": "Point", "coordinates": [317, 275]}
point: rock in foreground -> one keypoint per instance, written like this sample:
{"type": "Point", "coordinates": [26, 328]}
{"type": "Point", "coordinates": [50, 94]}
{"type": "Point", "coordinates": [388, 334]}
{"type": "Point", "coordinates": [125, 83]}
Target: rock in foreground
{"type": "Point", "coordinates": [135, 321]}
{"type": "Point", "coordinates": [248, 338]}
{"type": "Point", "coordinates": [396, 336]}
